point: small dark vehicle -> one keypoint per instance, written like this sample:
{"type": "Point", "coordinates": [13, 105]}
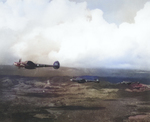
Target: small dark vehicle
{"type": "Point", "coordinates": [82, 79]}
{"type": "Point", "coordinates": [78, 79]}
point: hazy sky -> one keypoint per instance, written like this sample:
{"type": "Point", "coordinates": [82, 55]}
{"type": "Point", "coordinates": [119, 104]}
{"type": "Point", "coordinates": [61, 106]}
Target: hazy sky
{"type": "Point", "coordinates": [116, 11]}
{"type": "Point", "coordinates": [87, 33]}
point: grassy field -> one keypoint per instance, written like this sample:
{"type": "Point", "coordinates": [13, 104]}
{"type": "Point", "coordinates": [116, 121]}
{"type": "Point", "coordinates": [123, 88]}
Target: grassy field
{"type": "Point", "coordinates": [57, 99]}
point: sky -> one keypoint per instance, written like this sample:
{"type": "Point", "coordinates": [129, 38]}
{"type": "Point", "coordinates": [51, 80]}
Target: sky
{"type": "Point", "coordinates": [77, 33]}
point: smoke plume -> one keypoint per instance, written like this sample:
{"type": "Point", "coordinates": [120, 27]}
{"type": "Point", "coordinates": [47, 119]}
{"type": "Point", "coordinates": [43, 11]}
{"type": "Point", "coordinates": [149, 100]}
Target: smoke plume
{"type": "Point", "coordinates": [44, 31]}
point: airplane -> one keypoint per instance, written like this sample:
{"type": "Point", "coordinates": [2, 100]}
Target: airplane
{"type": "Point", "coordinates": [31, 65]}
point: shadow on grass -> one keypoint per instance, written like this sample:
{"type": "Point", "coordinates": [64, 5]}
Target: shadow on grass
{"type": "Point", "coordinates": [21, 114]}
{"type": "Point", "coordinates": [42, 95]}
{"type": "Point", "coordinates": [46, 95]}
{"type": "Point", "coordinates": [120, 119]}
{"type": "Point", "coordinates": [74, 108]}
{"type": "Point", "coordinates": [29, 117]}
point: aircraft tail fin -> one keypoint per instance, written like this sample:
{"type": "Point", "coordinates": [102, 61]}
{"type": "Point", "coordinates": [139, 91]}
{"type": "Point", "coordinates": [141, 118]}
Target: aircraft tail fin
{"type": "Point", "coordinates": [56, 65]}
{"type": "Point", "coordinates": [19, 60]}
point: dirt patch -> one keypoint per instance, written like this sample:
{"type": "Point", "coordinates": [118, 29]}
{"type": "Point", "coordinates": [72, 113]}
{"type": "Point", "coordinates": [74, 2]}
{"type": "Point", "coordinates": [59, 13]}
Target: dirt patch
{"type": "Point", "coordinates": [139, 118]}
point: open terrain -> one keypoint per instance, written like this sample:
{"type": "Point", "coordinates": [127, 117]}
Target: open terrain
{"type": "Point", "coordinates": [47, 95]}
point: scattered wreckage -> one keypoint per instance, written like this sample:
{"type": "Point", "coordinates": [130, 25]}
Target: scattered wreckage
{"type": "Point", "coordinates": [135, 86]}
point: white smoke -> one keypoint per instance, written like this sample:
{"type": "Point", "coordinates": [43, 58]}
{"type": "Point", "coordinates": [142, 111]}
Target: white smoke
{"type": "Point", "coordinates": [44, 31]}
